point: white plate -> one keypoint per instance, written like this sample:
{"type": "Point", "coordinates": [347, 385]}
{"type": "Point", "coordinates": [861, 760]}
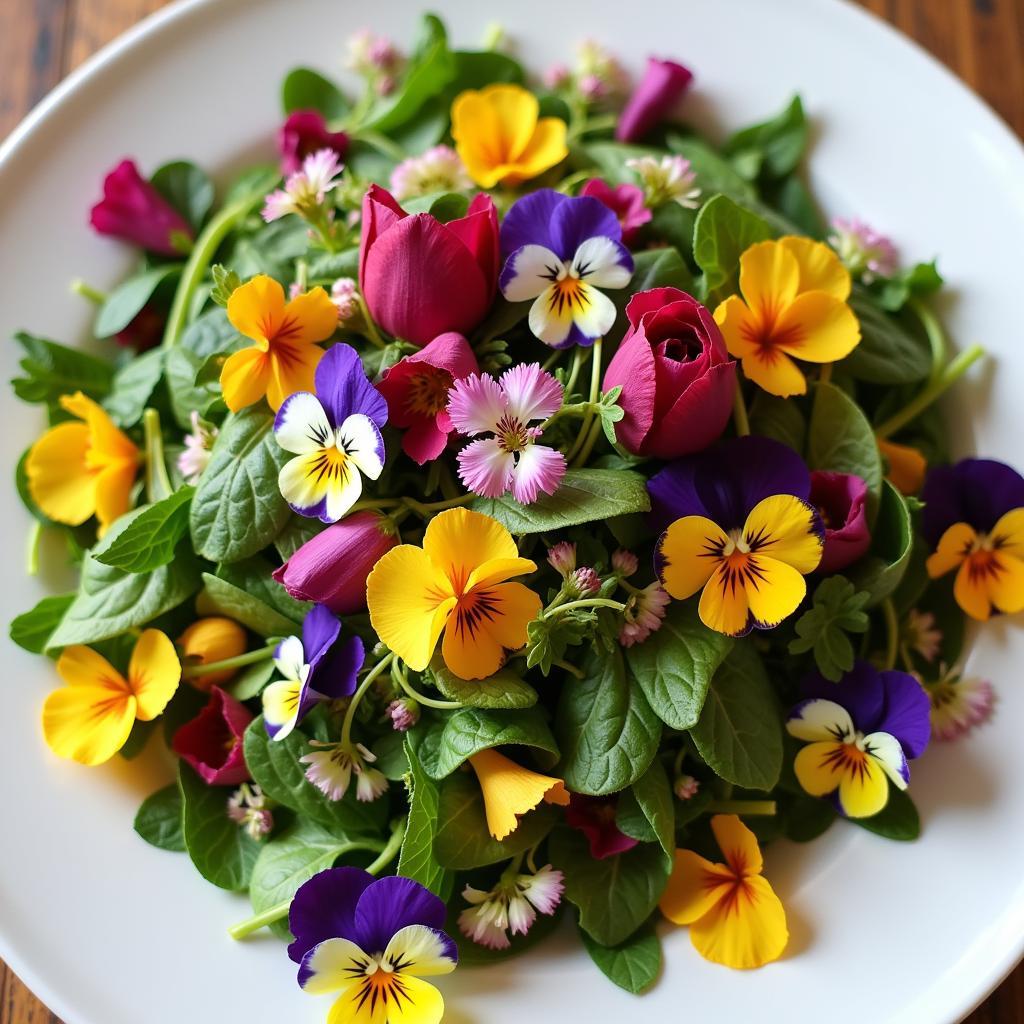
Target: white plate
{"type": "Point", "coordinates": [110, 931]}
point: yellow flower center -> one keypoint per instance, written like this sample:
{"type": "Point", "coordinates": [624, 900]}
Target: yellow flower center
{"type": "Point", "coordinates": [568, 293]}
{"type": "Point", "coordinates": [332, 465]}
{"type": "Point", "coordinates": [428, 391]}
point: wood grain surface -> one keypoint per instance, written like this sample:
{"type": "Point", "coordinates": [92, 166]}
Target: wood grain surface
{"type": "Point", "coordinates": [42, 40]}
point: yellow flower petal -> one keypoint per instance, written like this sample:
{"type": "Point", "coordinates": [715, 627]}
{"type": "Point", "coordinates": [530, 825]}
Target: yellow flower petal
{"type": "Point", "coordinates": [88, 724]}
{"type": "Point", "coordinates": [244, 377]}
{"type": "Point", "coordinates": [292, 368]}
{"type": "Point", "coordinates": [497, 570]}
{"type": "Point", "coordinates": [783, 527]}
{"type": "Point", "coordinates": [112, 488]}
{"type": "Point", "coordinates": [953, 547]}
{"type": "Point", "coordinates": [744, 930]}
{"type": "Point", "coordinates": [58, 479]}
{"type": "Point", "coordinates": [1008, 533]}
{"type": "Point", "coordinates": [769, 279]}
{"type": "Point", "coordinates": [817, 328]}
{"type": "Point", "coordinates": [458, 541]}
{"type": "Point", "coordinates": [907, 466]}
{"type": "Point", "coordinates": [388, 997]}
{"type": "Point", "coordinates": [256, 308]}
{"type": "Point", "coordinates": [308, 318]}
{"type": "Point", "coordinates": [1006, 582]}
{"type": "Point", "coordinates": [723, 605]}
{"type": "Point", "coordinates": [688, 553]}
{"type": "Point", "coordinates": [693, 888]}
{"type": "Point", "coordinates": [971, 591]}
{"type": "Point", "coordinates": [739, 326]}
{"type": "Point", "coordinates": [865, 791]}
{"type": "Point", "coordinates": [153, 673]}
{"type": "Point", "coordinates": [510, 790]}
{"type": "Point", "coordinates": [209, 640]}
{"type": "Point", "coordinates": [79, 665]}
{"type": "Point", "coordinates": [107, 443]}
{"type": "Point", "coordinates": [771, 369]}
{"type": "Point", "coordinates": [546, 149]}
{"type": "Point", "coordinates": [819, 766]}
{"type": "Point", "coordinates": [820, 267]}
{"type": "Point", "coordinates": [738, 844]}
{"type": "Point", "coordinates": [823, 767]}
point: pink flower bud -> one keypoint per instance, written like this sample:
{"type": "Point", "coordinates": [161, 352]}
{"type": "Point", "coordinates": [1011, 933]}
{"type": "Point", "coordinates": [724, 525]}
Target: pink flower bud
{"type": "Point", "coordinates": [625, 563]}
{"type": "Point", "coordinates": [586, 582]}
{"type": "Point", "coordinates": [404, 714]}
{"type": "Point", "coordinates": [663, 84]}
{"type": "Point", "coordinates": [562, 558]}
{"type": "Point", "coordinates": [686, 787]}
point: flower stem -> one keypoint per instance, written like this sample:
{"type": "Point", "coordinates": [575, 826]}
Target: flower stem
{"type": "Point", "coordinates": [579, 357]}
{"type": "Point", "coordinates": [350, 714]}
{"type": "Point", "coordinates": [158, 483]}
{"type": "Point", "coordinates": [429, 702]}
{"type": "Point", "coordinates": [595, 392]}
{"type": "Point", "coordinates": [739, 411]}
{"type": "Point", "coordinates": [94, 295]}
{"type": "Point", "coordinates": [587, 602]}
{"type": "Point", "coordinates": [426, 511]}
{"type": "Point", "coordinates": [390, 851]}
{"type": "Point", "coordinates": [238, 661]}
{"type": "Point", "coordinates": [588, 445]}
{"type": "Point", "coordinates": [381, 143]}
{"type": "Point", "coordinates": [372, 334]}
{"type": "Point", "coordinates": [375, 505]}
{"type": "Point", "coordinates": [931, 391]}
{"type": "Point", "coordinates": [551, 360]}
{"type": "Point", "coordinates": [936, 336]}
{"type": "Point", "coordinates": [825, 373]}
{"type": "Point", "coordinates": [892, 627]}
{"type": "Point", "coordinates": [762, 807]}
{"type": "Point", "coordinates": [571, 669]}
{"type": "Point", "coordinates": [35, 535]}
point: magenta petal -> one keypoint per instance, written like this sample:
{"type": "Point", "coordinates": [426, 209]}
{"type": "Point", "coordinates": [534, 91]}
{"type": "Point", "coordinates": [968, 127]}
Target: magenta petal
{"type": "Point", "coordinates": [425, 440]}
{"type": "Point", "coordinates": [478, 232]}
{"type": "Point", "coordinates": [632, 368]}
{"type": "Point", "coordinates": [663, 84]}
{"type": "Point", "coordinates": [595, 818]}
{"type": "Point", "coordinates": [305, 132]}
{"type": "Point", "coordinates": [649, 301]}
{"type": "Point", "coordinates": [212, 742]}
{"type": "Point", "coordinates": [380, 212]}
{"type": "Point", "coordinates": [842, 501]}
{"type": "Point", "coordinates": [698, 417]}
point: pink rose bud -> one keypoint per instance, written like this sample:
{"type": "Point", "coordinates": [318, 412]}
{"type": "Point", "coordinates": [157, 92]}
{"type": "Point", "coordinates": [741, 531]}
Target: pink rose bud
{"type": "Point", "coordinates": [841, 498]}
{"type": "Point", "coordinates": [656, 96]}
{"type": "Point", "coordinates": [421, 278]}
{"type": "Point", "coordinates": [303, 134]}
{"type": "Point", "coordinates": [332, 567]}
{"type": "Point", "coordinates": [676, 376]}
{"type": "Point", "coordinates": [212, 742]}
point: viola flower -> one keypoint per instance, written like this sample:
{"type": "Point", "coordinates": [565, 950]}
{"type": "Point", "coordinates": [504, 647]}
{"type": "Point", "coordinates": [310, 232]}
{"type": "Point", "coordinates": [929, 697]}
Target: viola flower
{"type": "Point", "coordinates": [345, 296]}
{"type": "Point", "coordinates": [134, 211]}
{"type": "Point", "coordinates": [316, 668]}
{"type": "Point", "coordinates": [562, 558]}
{"type": "Point", "coordinates": [439, 169]}
{"type": "Point", "coordinates": [331, 568]}
{"type": "Point", "coordinates": [841, 501]}
{"type": "Point", "coordinates": [744, 533]}
{"type": "Point", "coordinates": [669, 179]}
{"type": "Point", "coordinates": [209, 640]}
{"type": "Point", "coordinates": [973, 517]}
{"type": "Point", "coordinates": [455, 584]}
{"type": "Point", "coordinates": [512, 905]}
{"type": "Point", "coordinates": [198, 445]}
{"type": "Point", "coordinates": [212, 742]}
{"type": "Point", "coordinates": [511, 459]}
{"type": "Point", "coordinates": [659, 91]}
{"type": "Point", "coordinates": [90, 718]}
{"type": "Point", "coordinates": [907, 467]}
{"type": "Point", "coordinates": [793, 306]}
{"type": "Point", "coordinates": [958, 704]}
{"type": "Point", "coordinates": [84, 467]}
{"type": "Point", "coordinates": [304, 133]}
{"type": "Point", "coordinates": [595, 818]}
{"type": "Point", "coordinates": [247, 808]}
{"type": "Point", "coordinates": [644, 613]}
{"type": "Point", "coordinates": [866, 253]}
{"type": "Point", "coordinates": [416, 389]}
{"type": "Point", "coordinates": [735, 918]}
{"type": "Point", "coordinates": [501, 137]}
{"type": "Point", "coordinates": [372, 941]}
{"type": "Point", "coordinates": [304, 191]}
{"type": "Point", "coordinates": [921, 634]}
{"type": "Point", "coordinates": [510, 791]}
{"type": "Point", "coordinates": [285, 352]}
{"type": "Point", "coordinates": [332, 766]}
{"type": "Point", "coordinates": [559, 251]}
{"type": "Point", "coordinates": [625, 201]}
{"type": "Point", "coordinates": [859, 732]}
{"type": "Point", "coordinates": [335, 436]}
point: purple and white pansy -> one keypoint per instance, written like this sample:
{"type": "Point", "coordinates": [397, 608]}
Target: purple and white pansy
{"type": "Point", "coordinates": [335, 436]}
{"type": "Point", "coordinates": [559, 251]}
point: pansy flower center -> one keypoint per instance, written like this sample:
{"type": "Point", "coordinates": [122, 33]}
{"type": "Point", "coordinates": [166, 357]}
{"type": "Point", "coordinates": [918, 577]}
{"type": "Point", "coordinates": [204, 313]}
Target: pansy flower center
{"type": "Point", "coordinates": [381, 988]}
{"type": "Point", "coordinates": [427, 392]}
{"type": "Point", "coordinates": [331, 464]}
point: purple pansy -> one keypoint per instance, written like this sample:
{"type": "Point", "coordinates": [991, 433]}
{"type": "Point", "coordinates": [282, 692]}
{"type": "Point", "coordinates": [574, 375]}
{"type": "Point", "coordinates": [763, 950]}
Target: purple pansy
{"type": "Point", "coordinates": [559, 250]}
{"type": "Point", "coordinates": [318, 667]}
{"type": "Point", "coordinates": [978, 492]}
{"type": "Point", "coordinates": [335, 435]}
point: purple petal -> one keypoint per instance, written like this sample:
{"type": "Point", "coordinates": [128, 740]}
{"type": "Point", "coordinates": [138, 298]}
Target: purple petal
{"type": "Point", "coordinates": [390, 904]}
{"type": "Point", "coordinates": [975, 491]}
{"type": "Point", "coordinates": [320, 628]}
{"type": "Point", "coordinates": [664, 82]}
{"type": "Point", "coordinates": [580, 218]}
{"type": "Point", "coordinates": [906, 715]}
{"type": "Point", "coordinates": [529, 221]}
{"type": "Point", "coordinates": [335, 675]}
{"type": "Point", "coordinates": [860, 691]}
{"type": "Point", "coordinates": [325, 908]}
{"type": "Point", "coordinates": [343, 388]}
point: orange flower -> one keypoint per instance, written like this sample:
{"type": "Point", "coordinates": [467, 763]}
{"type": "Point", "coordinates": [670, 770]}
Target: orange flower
{"type": "Point", "coordinates": [907, 466]}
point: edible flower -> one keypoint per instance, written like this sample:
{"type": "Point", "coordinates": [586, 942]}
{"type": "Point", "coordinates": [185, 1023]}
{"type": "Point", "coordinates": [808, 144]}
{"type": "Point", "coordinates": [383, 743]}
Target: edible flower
{"type": "Point", "coordinates": [208, 640]}
{"type": "Point", "coordinates": [599, 76]}
{"type": "Point", "coordinates": [455, 584]}
{"type": "Point", "coordinates": [195, 456]}
{"type": "Point", "coordinates": [670, 179]}
{"type": "Point", "coordinates": [212, 742]}
{"type": "Point", "coordinates": [134, 210]}
{"type": "Point", "coordinates": [332, 766]}
{"type": "Point", "coordinates": [247, 808]}
{"type": "Point", "coordinates": [316, 668]}
{"type": "Point", "coordinates": [793, 306]}
{"type": "Point", "coordinates": [511, 459]}
{"type": "Point", "coordinates": [907, 467]}
{"type": "Point", "coordinates": [644, 613]}
{"type": "Point", "coordinates": [626, 201]}
{"type": "Point", "coordinates": [920, 633]}
{"type": "Point", "coordinates": [511, 906]}
{"type": "Point", "coordinates": [416, 389]}
{"type": "Point", "coordinates": [372, 941]}
{"type": "Point", "coordinates": [959, 703]}
{"type": "Point", "coordinates": [841, 501]}
{"type": "Point", "coordinates": [335, 436]}
{"type": "Point", "coordinates": [860, 732]}
{"type": "Point", "coordinates": [594, 816]}
{"type": "Point", "coordinates": [656, 96]}
{"type": "Point", "coordinates": [735, 918]}
{"type": "Point", "coordinates": [973, 517]}
{"type": "Point", "coordinates": [305, 190]}
{"type": "Point", "coordinates": [377, 59]}
{"type": "Point", "coordinates": [562, 558]}
{"type": "Point", "coordinates": [510, 791]}
{"type": "Point", "coordinates": [90, 718]}
{"type": "Point", "coordinates": [439, 169]}
{"type": "Point", "coordinates": [303, 133]}
{"type": "Point", "coordinates": [285, 335]}
{"type": "Point", "coordinates": [865, 252]}
{"type": "Point", "coordinates": [421, 278]}
{"type": "Point", "coordinates": [745, 535]}
{"type": "Point", "coordinates": [501, 137]}
{"type": "Point", "coordinates": [559, 251]}
{"type": "Point", "coordinates": [84, 467]}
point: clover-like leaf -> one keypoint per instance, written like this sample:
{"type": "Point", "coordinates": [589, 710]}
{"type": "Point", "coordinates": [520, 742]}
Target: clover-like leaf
{"type": "Point", "coordinates": [838, 609]}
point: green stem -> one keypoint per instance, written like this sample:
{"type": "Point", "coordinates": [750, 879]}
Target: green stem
{"type": "Point", "coordinates": [571, 669]}
{"type": "Point", "coordinates": [551, 360]}
{"type": "Point", "coordinates": [238, 661]}
{"type": "Point", "coordinates": [372, 334]}
{"type": "Point", "coordinates": [586, 602]}
{"type": "Point", "coordinates": [96, 297]}
{"type": "Point", "coordinates": [426, 511]}
{"type": "Point", "coordinates": [825, 373]}
{"type": "Point", "coordinates": [892, 626]}
{"type": "Point", "coordinates": [429, 702]}
{"type": "Point", "coordinates": [350, 714]}
{"type": "Point", "coordinates": [374, 505]}
{"type": "Point", "coordinates": [566, 185]}
{"type": "Point", "coordinates": [588, 445]}
{"type": "Point", "coordinates": [35, 534]}
{"type": "Point", "coordinates": [381, 143]}
{"type": "Point", "coordinates": [739, 411]}
{"type": "Point", "coordinates": [762, 807]}
{"type": "Point", "coordinates": [579, 357]}
{"type": "Point", "coordinates": [388, 854]}
{"type": "Point", "coordinates": [595, 391]}
{"type": "Point", "coordinates": [158, 483]}
{"type": "Point", "coordinates": [936, 336]}
{"type": "Point", "coordinates": [931, 392]}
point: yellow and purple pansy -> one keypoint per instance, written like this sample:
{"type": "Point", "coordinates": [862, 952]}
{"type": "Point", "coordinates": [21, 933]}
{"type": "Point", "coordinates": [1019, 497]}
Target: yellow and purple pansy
{"type": "Point", "coordinates": [560, 250]}
{"type": "Point", "coordinates": [740, 530]}
{"type": "Point", "coordinates": [860, 734]}
{"type": "Point", "coordinates": [335, 436]}
{"type": "Point", "coordinates": [372, 941]}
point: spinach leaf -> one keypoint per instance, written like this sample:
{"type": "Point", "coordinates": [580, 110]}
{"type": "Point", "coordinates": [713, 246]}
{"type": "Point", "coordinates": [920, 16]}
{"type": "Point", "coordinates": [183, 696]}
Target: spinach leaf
{"type": "Point", "coordinates": [633, 965]}
{"type": "Point", "coordinates": [206, 336]}
{"type": "Point", "coordinates": [653, 794]}
{"type": "Point", "coordinates": [159, 819]}
{"type": "Point", "coordinates": [773, 148]}
{"type": "Point", "coordinates": [32, 629]}
{"type": "Point", "coordinates": [149, 540]}
{"type": "Point", "coordinates": [470, 730]}
{"type": "Point", "coordinates": [417, 860]}
{"type": "Point", "coordinates": [886, 354]}
{"type": "Point", "coordinates": [897, 820]}
{"type": "Point", "coordinates": [222, 598]}
{"type": "Point", "coordinates": [779, 419]}
{"type": "Point", "coordinates": [305, 89]}
{"type": "Point", "coordinates": [125, 302]}
{"type": "Point", "coordinates": [504, 690]}
{"type": "Point", "coordinates": [51, 370]}
{"type": "Point", "coordinates": [133, 387]}
{"type": "Point", "coordinates": [839, 438]}
{"type": "Point", "coordinates": [892, 541]}
{"type": "Point", "coordinates": [723, 231]}
{"type": "Point", "coordinates": [187, 188]}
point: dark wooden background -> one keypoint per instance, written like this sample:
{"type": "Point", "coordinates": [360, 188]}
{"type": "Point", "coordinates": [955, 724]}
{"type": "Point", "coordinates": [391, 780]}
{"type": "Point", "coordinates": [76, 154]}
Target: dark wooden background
{"type": "Point", "coordinates": [42, 40]}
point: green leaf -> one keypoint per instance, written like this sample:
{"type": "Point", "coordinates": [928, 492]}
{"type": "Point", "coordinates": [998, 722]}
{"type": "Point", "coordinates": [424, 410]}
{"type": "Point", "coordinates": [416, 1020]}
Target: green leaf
{"type": "Point", "coordinates": [187, 188]}
{"type": "Point", "coordinates": [886, 354]}
{"type": "Point", "coordinates": [222, 598]}
{"type": "Point", "coordinates": [675, 664]}
{"type": "Point", "coordinates": [631, 820]}
{"type": "Point", "coordinates": [805, 818]}
{"type": "Point", "coordinates": [653, 794]}
{"type": "Point", "coordinates": [504, 690]}
{"type": "Point", "coordinates": [840, 439]}
{"type": "Point", "coordinates": [238, 509]}
{"type": "Point", "coordinates": [417, 860]}
{"type": "Point", "coordinates": [795, 203]}
{"type": "Point", "coordinates": [51, 370]}
{"type": "Point", "coordinates": [206, 336]}
{"type": "Point", "coordinates": [251, 680]}
{"type": "Point", "coordinates": [920, 280]}
{"type": "Point", "coordinates": [606, 729]}
{"type": "Point", "coordinates": [470, 730]}
{"type": "Point", "coordinates": [775, 147]}
{"type": "Point", "coordinates": [32, 629]}
{"type": "Point", "coordinates": [465, 843]}
{"type": "Point", "coordinates": [892, 541]}
{"type": "Point", "coordinates": [779, 419]}
{"type": "Point", "coordinates": [222, 852]}
{"type": "Point", "coordinates": [159, 819]}
{"type": "Point", "coordinates": [714, 173]}
{"type": "Point", "coordinates": [549, 638]}
{"type": "Point", "coordinates": [633, 965]}
{"type": "Point", "coordinates": [585, 496]}
{"type": "Point", "coordinates": [305, 89]}
{"type": "Point", "coordinates": [838, 609]}
{"type": "Point", "coordinates": [614, 896]}
{"type": "Point", "coordinates": [253, 575]}
{"type": "Point", "coordinates": [133, 387]}
{"type": "Point", "coordinates": [739, 733]}
{"type": "Point", "coordinates": [149, 540]}
{"type": "Point", "coordinates": [897, 820]}
{"type": "Point", "coordinates": [272, 249]}
{"type": "Point", "coordinates": [723, 232]}
{"type": "Point", "coordinates": [125, 302]}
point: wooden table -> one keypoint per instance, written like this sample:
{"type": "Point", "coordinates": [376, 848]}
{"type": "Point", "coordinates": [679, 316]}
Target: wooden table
{"type": "Point", "coordinates": [42, 40]}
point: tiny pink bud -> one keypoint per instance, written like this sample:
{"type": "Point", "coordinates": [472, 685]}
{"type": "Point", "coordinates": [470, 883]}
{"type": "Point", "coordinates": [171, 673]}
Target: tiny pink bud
{"type": "Point", "coordinates": [404, 714]}
{"type": "Point", "coordinates": [686, 787]}
{"type": "Point", "coordinates": [562, 558]}
{"type": "Point", "coordinates": [625, 563]}
{"type": "Point", "coordinates": [586, 582]}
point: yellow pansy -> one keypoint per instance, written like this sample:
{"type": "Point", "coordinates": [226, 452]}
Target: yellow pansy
{"type": "Point", "coordinates": [735, 918]}
{"type": "Point", "coordinates": [90, 718]}
{"type": "Point", "coordinates": [793, 306]}
{"type": "Point", "coordinates": [510, 790]}
{"type": "Point", "coordinates": [285, 352]}
{"type": "Point", "coordinates": [213, 639]}
{"type": "Point", "coordinates": [455, 584]}
{"type": "Point", "coordinates": [500, 137]}
{"type": "Point", "coordinates": [82, 468]}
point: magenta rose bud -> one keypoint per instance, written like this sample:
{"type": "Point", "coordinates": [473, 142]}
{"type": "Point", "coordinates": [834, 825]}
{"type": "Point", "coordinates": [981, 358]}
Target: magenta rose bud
{"type": "Point", "coordinates": [212, 742]}
{"type": "Point", "coordinates": [663, 84]}
{"type": "Point", "coordinates": [304, 133]}
{"type": "Point", "coordinates": [625, 201]}
{"type": "Point", "coordinates": [841, 498]}
{"type": "Point", "coordinates": [332, 567]}
{"type": "Point", "coordinates": [421, 278]}
{"type": "Point", "coordinates": [676, 376]}
{"type": "Point", "coordinates": [134, 211]}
